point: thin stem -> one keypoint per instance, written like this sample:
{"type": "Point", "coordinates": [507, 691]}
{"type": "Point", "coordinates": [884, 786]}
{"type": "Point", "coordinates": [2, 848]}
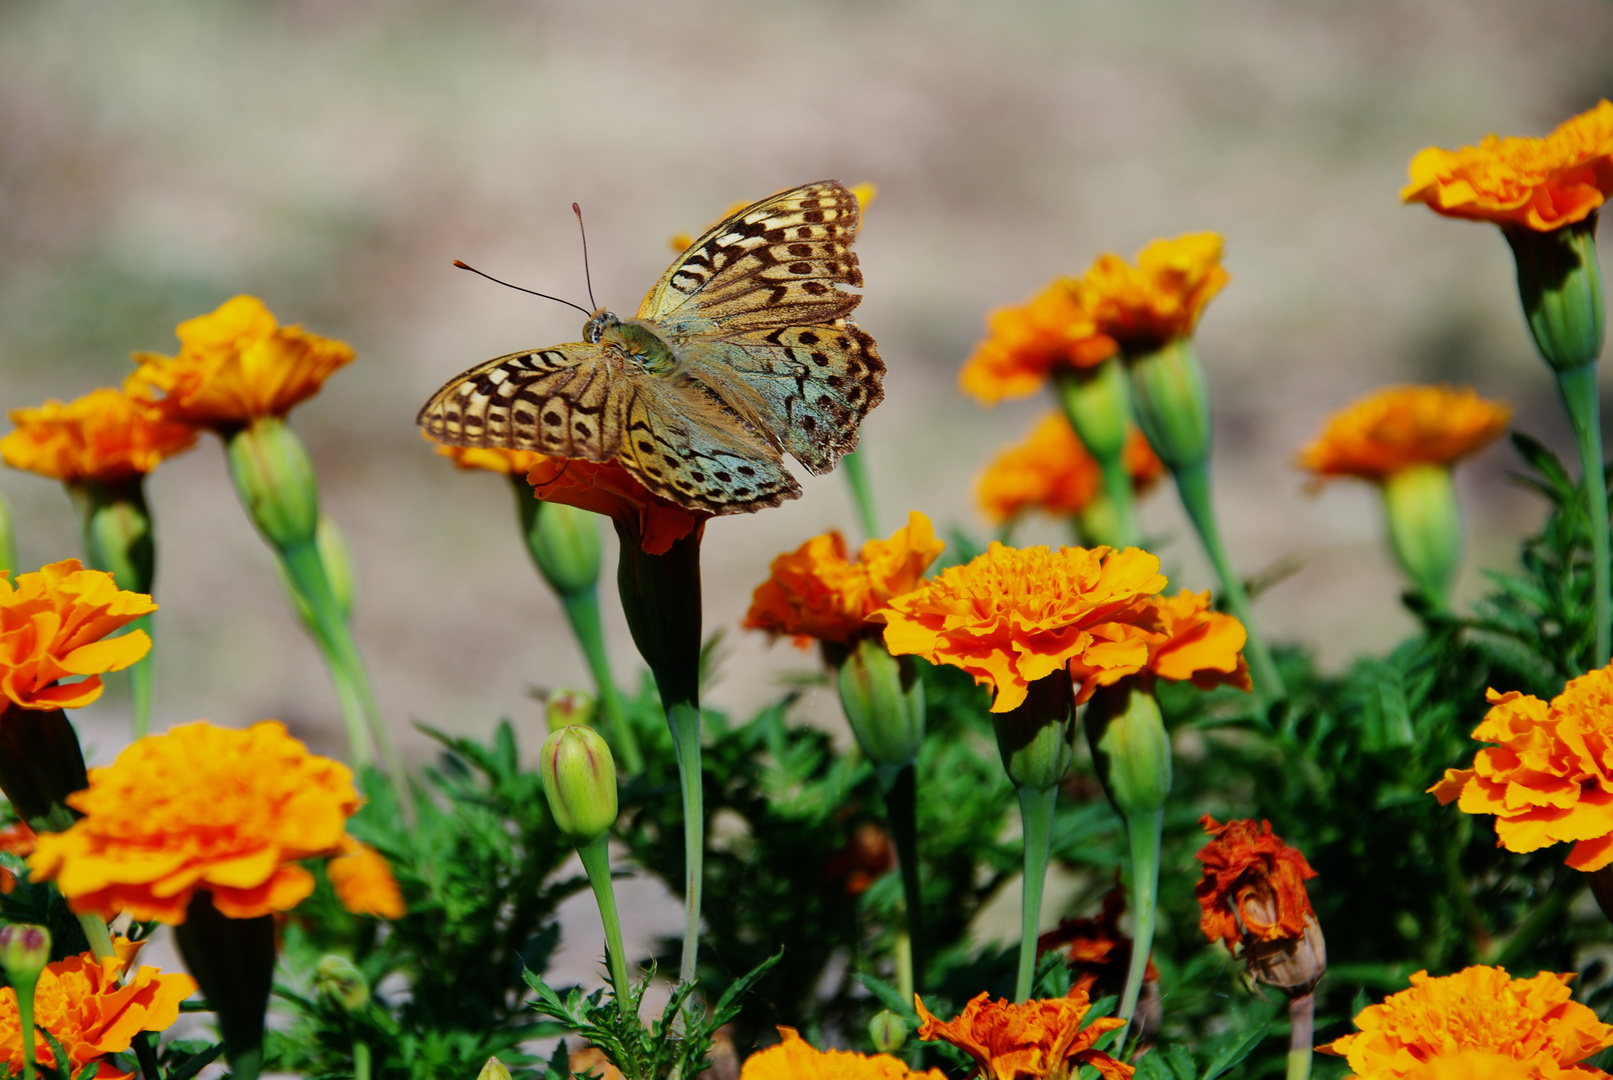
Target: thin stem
{"type": "Point", "coordinates": [862, 492]}
{"type": "Point", "coordinates": [98, 935]}
{"type": "Point", "coordinates": [140, 680]}
{"type": "Point", "coordinates": [361, 1060]}
{"type": "Point", "coordinates": [901, 810]}
{"type": "Point", "coordinates": [145, 1052]}
{"type": "Point", "coordinates": [1127, 531]}
{"type": "Point", "coordinates": [684, 717]}
{"type": "Point", "coordinates": [1143, 831]}
{"type": "Point", "coordinates": [1193, 485]}
{"type": "Point", "coordinates": [1579, 390]}
{"type": "Point", "coordinates": [25, 1018]}
{"type": "Point", "coordinates": [582, 611]}
{"type": "Point", "coordinates": [596, 861]}
{"type": "Point", "coordinates": [1302, 1028]}
{"type": "Point", "coordinates": [1036, 823]}
{"type": "Point", "coordinates": [1548, 914]}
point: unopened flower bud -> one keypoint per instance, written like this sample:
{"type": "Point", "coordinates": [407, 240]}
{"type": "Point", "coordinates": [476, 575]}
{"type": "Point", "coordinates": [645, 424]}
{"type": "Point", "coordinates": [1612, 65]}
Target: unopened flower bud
{"type": "Point", "coordinates": [1035, 738]}
{"type": "Point", "coordinates": [884, 701]}
{"type": "Point", "coordinates": [579, 779]}
{"type": "Point", "coordinates": [1560, 284]}
{"type": "Point", "coordinates": [1172, 404]}
{"type": "Point", "coordinates": [275, 480]}
{"type": "Point", "coordinates": [24, 952]}
{"type": "Point", "coordinates": [888, 1031]}
{"type": "Point", "coordinates": [1130, 746]}
{"type": "Point", "coordinates": [566, 707]}
{"type": "Point", "coordinates": [1425, 527]}
{"type": "Point", "coordinates": [563, 540]}
{"type": "Point", "coordinates": [336, 978]}
{"type": "Point", "coordinates": [493, 1070]}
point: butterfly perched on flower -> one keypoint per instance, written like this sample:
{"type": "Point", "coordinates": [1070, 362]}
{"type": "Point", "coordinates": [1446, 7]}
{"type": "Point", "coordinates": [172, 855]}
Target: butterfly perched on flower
{"type": "Point", "coordinates": [743, 352]}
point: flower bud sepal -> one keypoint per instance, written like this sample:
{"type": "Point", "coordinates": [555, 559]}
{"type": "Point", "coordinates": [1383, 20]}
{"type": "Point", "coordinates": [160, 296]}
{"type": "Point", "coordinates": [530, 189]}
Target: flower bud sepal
{"type": "Point", "coordinates": [41, 764]}
{"type": "Point", "coordinates": [1097, 402]}
{"type": "Point", "coordinates": [1560, 284]}
{"type": "Point", "coordinates": [1425, 528]}
{"type": "Point", "coordinates": [232, 961]}
{"type": "Point", "coordinates": [117, 536]}
{"type": "Point", "coordinates": [883, 699]}
{"type": "Point", "coordinates": [275, 480]}
{"type": "Point", "coordinates": [579, 780]}
{"type": "Point", "coordinates": [562, 540]}
{"type": "Point", "coordinates": [1172, 403]}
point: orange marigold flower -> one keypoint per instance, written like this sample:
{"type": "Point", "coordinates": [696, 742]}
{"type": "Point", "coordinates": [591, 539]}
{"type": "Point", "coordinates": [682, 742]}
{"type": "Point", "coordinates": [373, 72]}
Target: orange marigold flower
{"type": "Point", "coordinates": [1253, 884]}
{"type": "Point", "coordinates": [15, 839]}
{"type": "Point", "coordinates": [816, 592]}
{"type": "Point", "coordinates": [80, 1002]}
{"type": "Point", "coordinates": [1187, 641]}
{"type": "Point", "coordinates": [1547, 781]}
{"type": "Point", "coordinates": [796, 1059]}
{"type": "Point", "coordinates": [1035, 1040]}
{"type": "Point", "coordinates": [1401, 426]}
{"type": "Point", "coordinates": [1053, 471]}
{"type": "Point", "coordinates": [105, 436]}
{"type": "Point", "coordinates": [1161, 298]}
{"type": "Point", "coordinates": [1026, 343]}
{"type": "Point", "coordinates": [1015, 615]}
{"type": "Point", "coordinates": [608, 488]}
{"type": "Point", "coordinates": [1541, 184]}
{"type": "Point", "coordinates": [492, 458]}
{"type": "Point", "coordinates": [1480, 1023]}
{"type": "Point", "coordinates": [200, 808]}
{"type": "Point", "coordinates": [54, 625]}
{"type": "Point", "coordinates": [1095, 947]}
{"type": "Point", "coordinates": [238, 364]}
{"type": "Point", "coordinates": [364, 883]}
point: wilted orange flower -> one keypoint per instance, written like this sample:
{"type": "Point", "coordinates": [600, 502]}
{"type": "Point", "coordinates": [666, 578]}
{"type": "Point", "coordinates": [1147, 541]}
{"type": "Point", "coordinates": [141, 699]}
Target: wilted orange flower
{"type": "Point", "coordinates": [1401, 426]}
{"type": "Point", "coordinates": [492, 458]}
{"type": "Point", "coordinates": [1095, 946]}
{"type": "Point", "coordinates": [54, 625]}
{"type": "Point", "coordinates": [79, 1001]}
{"type": "Point", "coordinates": [1541, 184]}
{"type": "Point", "coordinates": [864, 859]}
{"type": "Point", "coordinates": [105, 436]}
{"type": "Point", "coordinates": [15, 839]}
{"type": "Point", "coordinates": [1187, 641]}
{"type": "Point", "coordinates": [1550, 779]}
{"type": "Point", "coordinates": [608, 488]}
{"type": "Point", "coordinates": [1015, 615]}
{"type": "Point", "coordinates": [1053, 471]}
{"type": "Point", "coordinates": [815, 592]}
{"type": "Point", "coordinates": [796, 1059]}
{"type": "Point", "coordinates": [1161, 298]}
{"type": "Point", "coordinates": [200, 808]}
{"type": "Point", "coordinates": [1034, 1040]}
{"type": "Point", "coordinates": [1253, 884]}
{"type": "Point", "coordinates": [364, 882]}
{"type": "Point", "coordinates": [238, 364]}
{"type": "Point", "coordinates": [1480, 1023]}
{"type": "Point", "coordinates": [1026, 343]}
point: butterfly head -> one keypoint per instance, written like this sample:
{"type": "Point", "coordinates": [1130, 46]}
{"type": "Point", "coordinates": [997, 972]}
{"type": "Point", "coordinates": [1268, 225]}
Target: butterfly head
{"type": "Point", "coordinates": [598, 325]}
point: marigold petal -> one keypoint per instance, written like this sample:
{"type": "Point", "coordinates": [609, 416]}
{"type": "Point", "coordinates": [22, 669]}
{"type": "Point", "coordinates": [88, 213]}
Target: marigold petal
{"type": "Point", "coordinates": [1398, 427]}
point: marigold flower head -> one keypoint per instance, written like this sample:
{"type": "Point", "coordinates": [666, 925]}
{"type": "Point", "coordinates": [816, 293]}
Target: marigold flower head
{"type": "Point", "coordinates": [1186, 640]}
{"type": "Point", "coordinates": [796, 1059]}
{"type": "Point", "coordinates": [200, 808]}
{"type": "Point", "coordinates": [1480, 1023]}
{"type": "Point", "coordinates": [816, 592]}
{"type": "Point", "coordinates": [492, 458]}
{"type": "Point", "coordinates": [1161, 298]}
{"type": "Point", "coordinates": [237, 364]}
{"type": "Point", "coordinates": [1401, 426]}
{"type": "Point", "coordinates": [1025, 344]}
{"type": "Point", "coordinates": [1550, 778]}
{"type": "Point", "coordinates": [105, 436]}
{"type": "Point", "coordinates": [1015, 615]}
{"type": "Point", "coordinates": [1540, 184]}
{"type": "Point", "coordinates": [54, 625]}
{"type": "Point", "coordinates": [80, 1002]}
{"type": "Point", "coordinates": [1052, 471]}
{"type": "Point", "coordinates": [1034, 1040]}
{"type": "Point", "coordinates": [364, 883]}
{"type": "Point", "coordinates": [15, 839]}
{"type": "Point", "coordinates": [608, 488]}
{"type": "Point", "coordinates": [1253, 885]}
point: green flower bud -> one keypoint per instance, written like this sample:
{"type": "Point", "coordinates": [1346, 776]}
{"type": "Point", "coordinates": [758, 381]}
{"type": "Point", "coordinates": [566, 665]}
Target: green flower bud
{"type": "Point", "coordinates": [1035, 740]}
{"type": "Point", "coordinates": [1098, 402]}
{"type": "Point", "coordinates": [493, 1070]}
{"type": "Point", "coordinates": [579, 778]}
{"type": "Point", "coordinates": [336, 978]}
{"type": "Point", "coordinates": [24, 952]}
{"type": "Point", "coordinates": [563, 541]}
{"type": "Point", "coordinates": [1172, 404]}
{"type": "Point", "coordinates": [275, 480]}
{"type": "Point", "coordinates": [566, 707]}
{"type": "Point", "coordinates": [117, 531]}
{"type": "Point", "coordinates": [1560, 284]}
{"type": "Point", "coordinates": [884, 702]}
{"type": "Point", "coordinates": [888, 1031]}
{"type": "Point", "coordinates": [1130, 745]}
{"type": "Point", "coordinates": [1425, 528]}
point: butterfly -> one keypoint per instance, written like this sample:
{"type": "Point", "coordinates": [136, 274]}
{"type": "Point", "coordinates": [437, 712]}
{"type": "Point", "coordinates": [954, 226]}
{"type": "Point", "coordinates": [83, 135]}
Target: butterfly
{"type": "Point", "coordinates": [743, 352]}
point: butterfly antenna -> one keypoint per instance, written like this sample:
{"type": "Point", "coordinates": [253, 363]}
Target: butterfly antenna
{"type": "Point", "coordinates": [517, 288]}
{"type": "Point", "coordinates": [575, 209]}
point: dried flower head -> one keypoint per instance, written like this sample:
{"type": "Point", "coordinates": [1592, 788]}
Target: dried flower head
{"type": "Point", "coordinates": [54, 625]}
{"type": "Point", "coordinates": [796, 1059]}
{"type": "Point", "coordinates": [1187, 641]}
{"type": "Point", "coordinates": [1053, 472]}
{"type": "Point", "coordinates": [816, 592]}
{"type": "Point", "coordinates": [200, 808]}
{"type": "Point", "coordinates": [1401, 426]}
{"type": "Point", "coordinates": [1025, 344]}
{"type": "Point", "coordinates": [1539, 184]}
{"type": "Point", "coordinates": [1096, 948]}
{"type": "Point", "coordinates": [607, 488]}
{"type": "Point", "coordinates": [105, 436]}
{"type": "Point", "coordinates": [1480, 1023]}
{"type": "Point", "coordinates": [1161, 298]}
{"type": "Point", "coordinates": [1034, 1040]}
{"type": "Point", "coordinates": [1547, 781]}
{"type": "Point", "coordinates": [1252, 897]}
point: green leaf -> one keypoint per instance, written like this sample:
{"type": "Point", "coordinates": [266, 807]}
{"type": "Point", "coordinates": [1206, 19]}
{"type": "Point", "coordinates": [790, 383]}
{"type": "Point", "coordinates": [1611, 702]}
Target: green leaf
{"type": "Point", "coordinates": [1233, 1048]}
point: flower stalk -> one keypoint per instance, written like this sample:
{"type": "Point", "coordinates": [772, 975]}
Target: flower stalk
{"type": "Point", "coordinates": [24, 952]}
{"type": "Point", "coordinates": [899, 785]}
{"type": "Point", "coordinates": [862, 492]}
{"type": "Point", "coordinates": [1580, 391]}
{"type": "Point", "coordinates": [596, 863]}
{"type": "Point", "coordinates": [1302, 1033]}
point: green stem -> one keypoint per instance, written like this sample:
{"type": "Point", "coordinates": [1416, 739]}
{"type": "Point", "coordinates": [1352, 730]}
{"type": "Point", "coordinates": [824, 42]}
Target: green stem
{"type": "Point", "coordinates": [1036, 823]}
{"type": "Point", "coordinates": [684, 717]}
{"type": "Point", "coordinates": [361, 1060]}
{"type": "Point", "coordinates": [140, 679]}
{"type": "Point", "coordinates": [247, 1064]}
{"type": "Point", "coordinates": [862, 492]}
{"type": "Point", "coordinates": [901, 810]}
{"type": "Point", "coordinates": [582, 611]}
{"type": "Point", "coordinates": [1143, 830]}
{"type": "Point", "coordinates": [25, 1018]}
{"type": "Point", "coordinates": [1097, 402]}
{"type": "Point", "coordinates": [1302, 1029]}
{"type": "Point", "coordinates": [1581, 398]}
{"type": "Point", "coordinates": [1193, 485]}
{"type": "Point", "coordinates": [596, 861]}
{"type": "Point", "coordinates": [1548, 914]}
{"type": "Point", "coordinates": [98, 935]}
{"type": "Point", "coordinates": [1126, 530]}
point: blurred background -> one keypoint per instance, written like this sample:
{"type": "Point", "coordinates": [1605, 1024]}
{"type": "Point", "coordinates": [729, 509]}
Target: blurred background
{"type": "Point", "coordinates": [333, 157]}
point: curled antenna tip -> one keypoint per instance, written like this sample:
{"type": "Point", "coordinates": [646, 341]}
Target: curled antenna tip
{"type": "Point", "coordinates": [575, 209]}
{"type": "Point", "coordinates": [463, 266]}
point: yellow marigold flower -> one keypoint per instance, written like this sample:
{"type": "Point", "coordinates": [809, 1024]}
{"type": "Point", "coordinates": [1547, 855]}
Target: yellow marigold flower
{"type": "Point", "coordinates": [238, 364]}
{"type": "Point", "coordinates": [1015, 615]}
{"type": "Point", "coordinates": [797, 1059]}
{"type": "Point", "coordinates": [1026, 343]}
{"type": "Point", "coordinates": [80, 1001]}
{"type": "Point", "coordinates": [1400, 426]}
{"type": "Point", "coordinates": [607, 488]}
{"type": "Point", "coordinates": [1052, 471]}
{"type": "Point", "coordinates": [54, 624]}
{"type": "Point", "coordinates": [1161, 298]}
{"type": "Point", "coordinates": [1541, 184]}
{"type": "Point", "coordinates": [200, 808]}
{"type": "Point", "coordinates": [1480, 1023]}
{"type": "Point", "coordinates": [105, 436]}
{"type": "Point", "coordinates": [1546, 781]}
{"type": "Point", "coordinates": [1186, 641]}
{"type": "Point", "coordinates": [816, 592]}
{"type": "Point", "coordinates": [1034, 1040]}
{"type": "Point", "coordinates": [492, 458]}
{"type": "Point", "coordinates": [364, 883]}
